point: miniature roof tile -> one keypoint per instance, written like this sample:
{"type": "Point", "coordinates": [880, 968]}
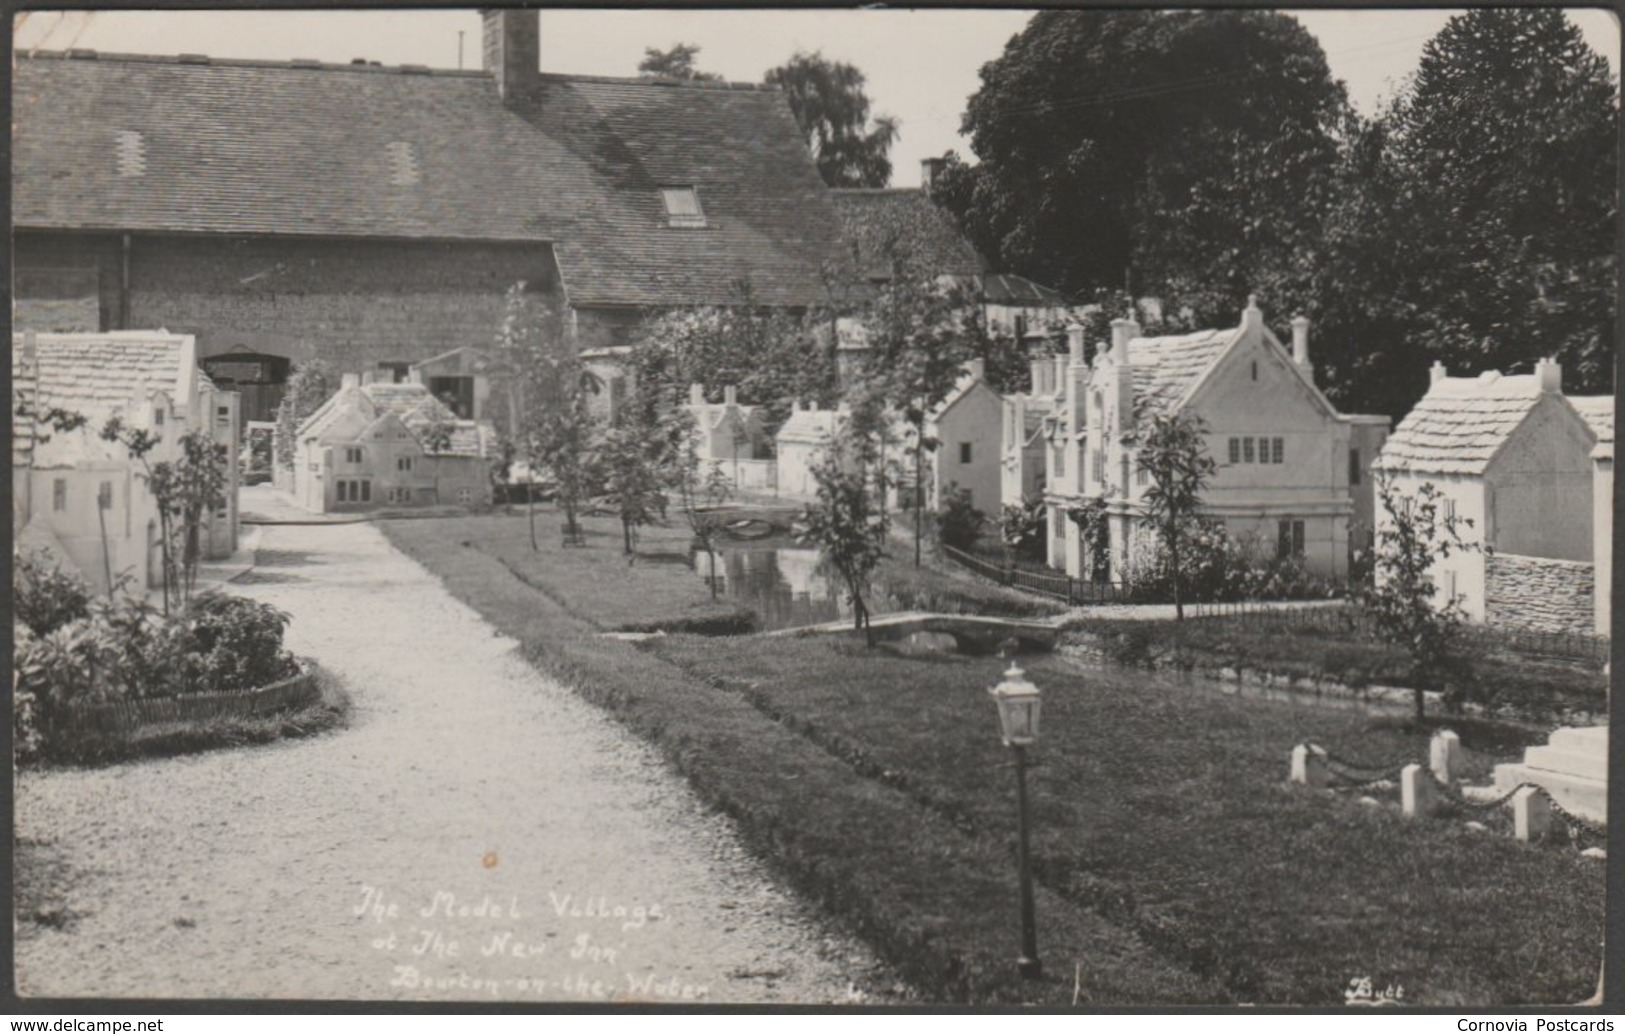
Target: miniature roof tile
{"type": "Point", "coordinates": [1165, 368]}
{"type": "Point", "coordinates": [1598, 411]}
{"type": "Point", "coordinates": [1460, 424]}
{"type": "Point", "coordinates": [236, 147]}
{"type": "Point", "coordinates": [97, 376]}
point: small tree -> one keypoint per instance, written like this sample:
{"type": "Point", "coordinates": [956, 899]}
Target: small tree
{"type": "Point", "coordinates": [304, 393]}
{"type": "Point", "coordinates": [1174, 456]}
{"type": "Point", "coordinates": [1022, 528]}
{"type": "Point", "coordinates": [847, 526]}
{"type": "Point", "coordinates": [700, 492]}
{"type": "Point", "coordinates": [1402, 600]}
{"type": "Point", "coordinates": [676, 62]}
{"type": "Point", "coordinates": [638, 466]}
{"type": "Point", "coordinates": [959, 523]}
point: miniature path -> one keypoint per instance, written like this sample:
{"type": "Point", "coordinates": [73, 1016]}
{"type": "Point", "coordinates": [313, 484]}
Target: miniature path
{"type": "Point", "coordinates": [556, 856]}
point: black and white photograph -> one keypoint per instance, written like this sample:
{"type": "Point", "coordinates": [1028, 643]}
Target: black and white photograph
{"type": "Point", "coordinates": [852, 508]}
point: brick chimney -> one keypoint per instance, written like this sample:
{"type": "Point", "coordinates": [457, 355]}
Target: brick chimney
{"type": "Point", "coordinates": [976, 369]}
{"type": "Point", "coordinates": [1124, 330]}
{"type": "Point", "coordinates": [1436, 373]}
{"type": "Point", "coordinates": [350, 380]}
{"type": "Point", "coordinates": [513, 49]}
{"type": "Point", "coordinates": [1074, 343]}
{"type": "Point", "coordinates": [1300, 341]}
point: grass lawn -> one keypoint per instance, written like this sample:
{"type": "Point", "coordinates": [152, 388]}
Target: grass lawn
{"type": "Point", "coordinates": [1174, 862]}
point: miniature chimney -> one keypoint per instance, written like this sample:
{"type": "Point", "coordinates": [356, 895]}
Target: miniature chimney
{"type": "Point", "coordinates": [1074, 343]}
{"type": "Point", "coordinates": [1124, 330]}
{"type": "Point", "coordinates": [1550, 375]}
{"type": "Point", "coordinates": [350, 380]}
{"type": "Point", "coordinates": [1252, 317]}
{"type": "Point", "coordinates": [696, 394]}
{"type": "Point", "coordinates": [1436, 372]}
{"type": "Point", "coordinates": [1057, 374]}
{"type": "Point", "coordinates": [513, 49]}
{"type": "Point", "coordinates": [930, 169]}
{"type": "Point", "coordinates": [730, 395]}
{"type": "Point", "coordinates": [30, 358]}
{"type": "Point", "coordinates": [1300, 341]}
{"type": "Point", "coordinates": [1040, 372]}
{"type": "Point", "coordinates": [976, 369]}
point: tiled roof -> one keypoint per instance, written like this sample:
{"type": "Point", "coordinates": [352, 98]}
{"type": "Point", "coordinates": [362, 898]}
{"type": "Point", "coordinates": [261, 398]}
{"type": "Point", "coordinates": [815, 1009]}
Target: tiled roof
{"type": "Point", "coordinates": [1460, 424]}
{"type": "Point", "coordinates": [268, 148]}
{"type": "Point", "coordinates": [810, 426]}
{"type": "Point", "coordinates": [1598, 411]}
{"type": "Point", "coordinates": [1166, 367]}
{"type": "Point", "coordinates": [869, 218]}
{"type": "Point", "coordinates": [97, 376]}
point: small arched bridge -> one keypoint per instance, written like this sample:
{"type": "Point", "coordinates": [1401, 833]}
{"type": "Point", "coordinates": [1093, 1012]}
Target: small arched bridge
{"type": "Point", "coordinates": [975, 633]}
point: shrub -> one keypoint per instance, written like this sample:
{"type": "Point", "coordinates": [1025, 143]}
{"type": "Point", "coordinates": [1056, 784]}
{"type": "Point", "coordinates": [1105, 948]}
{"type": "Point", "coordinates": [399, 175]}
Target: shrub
{"type": "Point", "coordinates": [44, 597]}
{"type": "Point", "coordinates": [233, 643]}
{"type": "Point", "coordinates": [959, 524]}
{"type": "Point", "coordinates": [1023, 529]}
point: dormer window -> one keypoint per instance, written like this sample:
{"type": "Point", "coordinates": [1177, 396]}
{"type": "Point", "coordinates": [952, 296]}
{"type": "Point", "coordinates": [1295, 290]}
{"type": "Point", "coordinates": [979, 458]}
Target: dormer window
{"type": "Point", "coordinates": [683, 207]}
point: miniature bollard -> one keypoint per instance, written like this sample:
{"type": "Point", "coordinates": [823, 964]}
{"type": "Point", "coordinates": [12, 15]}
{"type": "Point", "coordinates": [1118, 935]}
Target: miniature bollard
{"type": "Point", "coordinates": [1531, 814]}
{"type": "Point", "coordinates": [1445, 756]}
{"type": "Point", "coordinates": [1416, 795]}
{"type": "Point", "coordinates": [1309, 766]}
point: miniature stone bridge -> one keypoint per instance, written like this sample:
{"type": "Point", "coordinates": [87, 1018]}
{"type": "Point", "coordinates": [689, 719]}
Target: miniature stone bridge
{"type": "Point", "coordinates": [972, 632]}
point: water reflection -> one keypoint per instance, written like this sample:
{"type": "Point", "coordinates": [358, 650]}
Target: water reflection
{"type": "Point", "coordinates": [783, 586]}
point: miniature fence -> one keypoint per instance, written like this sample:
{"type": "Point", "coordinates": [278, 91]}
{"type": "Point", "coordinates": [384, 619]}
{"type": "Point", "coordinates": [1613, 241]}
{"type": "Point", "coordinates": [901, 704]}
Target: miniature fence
{"type": "Point", "coordinates": [126, 716]}
{"type": "Point", "coordinates": [1069, 590]}
{"type": "Point", "coordinates": [1424, 790]}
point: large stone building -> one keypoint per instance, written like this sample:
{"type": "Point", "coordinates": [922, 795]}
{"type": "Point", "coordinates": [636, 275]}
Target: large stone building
{"type": "Point", "coordinates": [1290, 467]}
{"type": "Point", "coordinates": [375, 217]}
{"type": "Point", "coordinates": [1513, 461]}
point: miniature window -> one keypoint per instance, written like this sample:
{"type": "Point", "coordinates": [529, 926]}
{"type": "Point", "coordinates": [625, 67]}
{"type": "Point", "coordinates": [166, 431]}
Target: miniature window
{"type": "Point", "coordinates": [1060, 461]}
{"type": "Point", "coordinates": [1057, 524]}
{"type": "Point", "coordinates": [59, 494]}
{"type": "Point", "coordinates": [1289, 540]}
{"type": "Point", "coordinates": [352, 455]}
{"type": "Point", "coordinates": [398, 372]}
{"type": "Point", "coordinates": [683, 207]}
{"type": "Point", "coordinates": [1354, 466]}
{"type": "Point", "coordinates": [465, 495]}
{"type": "Point", "coordinates": [1277, 450]}
{"type": "Point", "coordinates": [104, 496]}
{"type": "Point", "coordinates": [1142, 476]}
{"type": "Point", "coordinates": [158, 418]}
{"type": "Point", "coordinates": [1235, 450]}
{"type": "Point", "coordinates": [1124, 465]}
{"type": "Point", "coordinates": [1098, 465]}
{"type": "Point", "coordinates": [1247, 450]}
{"type": "Point", "coordinates": [403, 463]}
{"type": "Point", "coordinates": [1021, 327]}
{"type": "Point", "coordinates": [964, 452]}
{"type": "Point", "coordinates": [1255, 369]}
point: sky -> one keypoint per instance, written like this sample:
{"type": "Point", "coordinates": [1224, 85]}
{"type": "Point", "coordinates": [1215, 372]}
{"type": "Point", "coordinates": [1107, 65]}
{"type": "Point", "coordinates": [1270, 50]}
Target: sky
{"type": "Point", "coordinates": [921, 65]}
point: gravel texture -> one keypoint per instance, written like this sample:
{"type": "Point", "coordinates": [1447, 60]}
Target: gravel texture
{"type": "Point", "coordinates": [556, 857]}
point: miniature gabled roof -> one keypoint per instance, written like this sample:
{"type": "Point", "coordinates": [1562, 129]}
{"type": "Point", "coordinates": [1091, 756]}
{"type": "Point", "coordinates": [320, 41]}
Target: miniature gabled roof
{"type": "Point", "coordinates": [127, 142]}
{"type": "Point", "coordinates": [1460, 424]}
{"type": "Point", "coordinates": [1166, 369]}
{"type": "Point", "coordinates": [97, 376]}
{"type": "Point", "coordinates": [811, 425]}
{"type": "Point", "coordinates": [1010, 289]}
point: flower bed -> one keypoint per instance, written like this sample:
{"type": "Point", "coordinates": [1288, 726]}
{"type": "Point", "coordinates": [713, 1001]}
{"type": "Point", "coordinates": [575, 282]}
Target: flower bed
{"type": "Point", "coordinates": [127, 716]}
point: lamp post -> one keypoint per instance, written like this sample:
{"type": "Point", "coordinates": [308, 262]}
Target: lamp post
{"type": "Point", "coordinates": [1018, 702]}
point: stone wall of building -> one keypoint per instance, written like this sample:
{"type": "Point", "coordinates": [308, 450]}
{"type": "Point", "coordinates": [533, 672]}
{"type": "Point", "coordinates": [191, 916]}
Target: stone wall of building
{"type": "Point", "coordinates": [1539, 594]}
{"type": "Point", "coordinates": [354, 303]}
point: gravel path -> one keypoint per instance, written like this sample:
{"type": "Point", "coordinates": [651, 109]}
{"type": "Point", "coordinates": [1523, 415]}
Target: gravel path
{"type": "Point", "coordinates": [477, 833]}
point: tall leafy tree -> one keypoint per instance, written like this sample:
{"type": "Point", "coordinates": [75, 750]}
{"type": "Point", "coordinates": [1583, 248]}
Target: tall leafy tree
{"type": "Point", "coordinates": [845, 523]}
{"type": "Point", "coordinates": [676, 62]}
{"type": "Point", "coordinates": [830, 105]}
{"type": "Point", "coordinates": [1184, 154]}
{"type": "Point", "coordinates": [1174, 454]}
{"type": "Point", "coordinates": [1507, 143]}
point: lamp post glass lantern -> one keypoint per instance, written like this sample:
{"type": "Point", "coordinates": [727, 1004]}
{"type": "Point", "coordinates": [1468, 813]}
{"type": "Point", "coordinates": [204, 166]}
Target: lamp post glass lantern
{"type": "Point", "coordinates": [1018, 702]}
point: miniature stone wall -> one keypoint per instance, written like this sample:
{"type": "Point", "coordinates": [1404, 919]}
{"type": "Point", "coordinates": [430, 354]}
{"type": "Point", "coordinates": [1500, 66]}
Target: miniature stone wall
{"type": "Point", "coordinates": [1539, 594]}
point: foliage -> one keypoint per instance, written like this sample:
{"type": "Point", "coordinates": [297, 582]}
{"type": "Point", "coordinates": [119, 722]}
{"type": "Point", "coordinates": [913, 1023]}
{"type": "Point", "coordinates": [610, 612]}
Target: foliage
{"type": "Point", "coordinates": [545, 390]}
{"type": "Point", "coordinates": [1507, 147]}
{"type": "Point", "coordinates": [187, 489]}
{"type": "Point", "coordinates": [700, 491]}
{"type": "Point", "coordinates": [676, 62]}
{"type": "Point", "coordinates": [771, 356]}
{"type": "Point", "coordinates": [846, 524]}
{"type": "Point", "coordinates": [304, 393]}
{"type": "Point", "coordinates": [1174, 456]}
{"type": "Point", "coordinates": [959, 524]}
{"type": "Point", "coordinates": [828, 101]}
{"type": "Point", "coordinates": [45, 597]}
{"type": "Point", "coordinates": [1403, 600]}
{"type": "Point", "coordinates": [234, 643]}
{"type": "Point", "coordinates": [1024, 529]}
{"type": "Point", "coordinates": [1191, 149]}
{"type": "Point", "coordinates": [640, 462]}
